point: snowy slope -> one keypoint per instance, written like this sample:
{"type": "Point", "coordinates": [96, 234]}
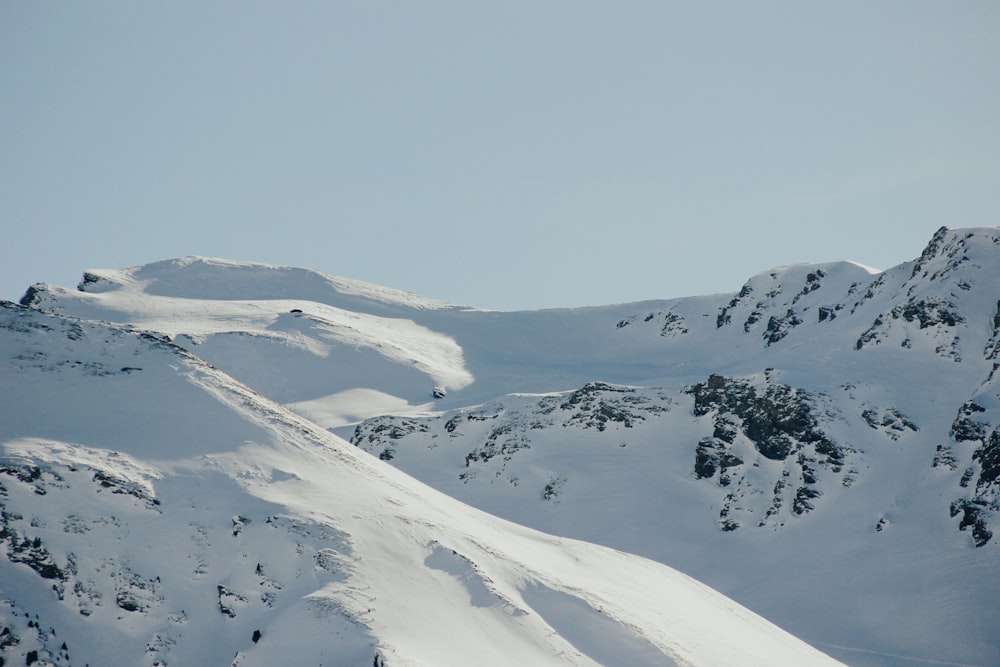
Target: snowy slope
{"type": "Point", "coordinates": [155, 511]}
{"type": "Point", "coordinates": [821, 445]}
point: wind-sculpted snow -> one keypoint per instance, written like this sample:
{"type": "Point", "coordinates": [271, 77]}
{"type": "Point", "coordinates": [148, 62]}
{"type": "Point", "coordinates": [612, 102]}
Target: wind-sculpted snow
{"type": "Point", "coordinates": [291, 348]}
{"type": "Point", "coordinates": [820, 444]}
{"type": "Point", "coordinates": [165, 535]}
{"type": "Point", "coordinates": [202, 278]}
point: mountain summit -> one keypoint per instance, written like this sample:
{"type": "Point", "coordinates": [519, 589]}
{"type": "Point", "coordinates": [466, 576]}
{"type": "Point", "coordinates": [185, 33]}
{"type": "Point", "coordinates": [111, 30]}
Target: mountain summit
{"type": "Point", "coordinates": [821, 445]}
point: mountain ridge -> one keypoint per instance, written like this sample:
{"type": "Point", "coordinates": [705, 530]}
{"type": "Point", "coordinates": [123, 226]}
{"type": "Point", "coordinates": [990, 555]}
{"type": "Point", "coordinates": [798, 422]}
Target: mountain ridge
{"type": "Point", "coordinates": [267, 539]}
{"type": "Point", "coordinates": [838, 422]}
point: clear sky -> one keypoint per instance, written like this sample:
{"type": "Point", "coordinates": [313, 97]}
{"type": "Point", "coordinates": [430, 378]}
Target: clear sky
{"type": "Point", "coordinates": [514, 154]}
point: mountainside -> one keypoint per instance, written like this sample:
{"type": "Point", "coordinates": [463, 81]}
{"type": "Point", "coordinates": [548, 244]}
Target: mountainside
{"type": "Point", "coordinates": [823, 445]}
{"type": "Point", "coordinates": [154, 511]}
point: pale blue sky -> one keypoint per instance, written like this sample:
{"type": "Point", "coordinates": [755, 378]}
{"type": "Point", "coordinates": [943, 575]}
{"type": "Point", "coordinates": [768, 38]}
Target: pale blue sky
{"type": "Point", "coordinates": [498, 154]}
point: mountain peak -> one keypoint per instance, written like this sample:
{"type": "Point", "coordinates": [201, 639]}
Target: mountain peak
{"type": "Point", "coordinates": [949, 248]}
{"type": "Point", "coordinates": [811, 445]}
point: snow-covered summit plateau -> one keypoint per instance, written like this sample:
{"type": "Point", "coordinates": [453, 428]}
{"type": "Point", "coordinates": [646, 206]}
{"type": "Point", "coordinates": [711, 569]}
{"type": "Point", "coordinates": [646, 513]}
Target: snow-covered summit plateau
{"type": "Point", "coordinates": [822, 446]}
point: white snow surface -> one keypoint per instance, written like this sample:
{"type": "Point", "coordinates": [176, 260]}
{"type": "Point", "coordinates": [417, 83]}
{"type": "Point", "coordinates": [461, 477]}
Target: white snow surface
{"type": "Point", "coordinates": [831, 483]}
{"type": "Point", "coordinates": [156, 511]}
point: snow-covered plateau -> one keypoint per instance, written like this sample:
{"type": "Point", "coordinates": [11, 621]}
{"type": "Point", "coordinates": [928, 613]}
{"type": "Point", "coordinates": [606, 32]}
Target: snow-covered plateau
{"type": "Point", "coordinates": [208, 462]}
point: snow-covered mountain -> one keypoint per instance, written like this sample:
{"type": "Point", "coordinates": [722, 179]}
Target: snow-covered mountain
{"type": "Point", "coordinates": [822, 446]}
{"type": "Point", "coordinates": [155, 511]}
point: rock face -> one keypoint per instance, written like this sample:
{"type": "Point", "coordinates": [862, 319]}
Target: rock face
{"type": "Point", "coordinates": [980, 480]}
{"type": "Point", "coordinates": [779, 299]}
{"type": "Point", "coordinates": [780, 425]}
{"type": "Point", "coordinates": [502, 429]}
{"type": "Point", "coordinates": [766, 435]}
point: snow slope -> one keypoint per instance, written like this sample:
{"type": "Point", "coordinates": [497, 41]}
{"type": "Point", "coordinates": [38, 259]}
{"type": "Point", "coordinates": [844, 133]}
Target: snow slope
{"type": "Point", "coordinates": [822, 445]}
{"type": "Point", "coordinates": [156, 511]}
